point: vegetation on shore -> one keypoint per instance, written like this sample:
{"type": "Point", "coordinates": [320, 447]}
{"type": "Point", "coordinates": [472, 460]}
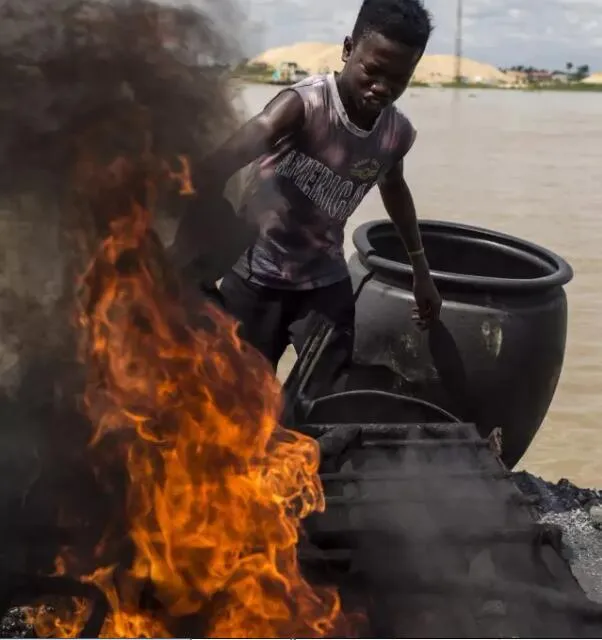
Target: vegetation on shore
{"type": "Point", "coordinates": [579, 87]}
{"type": "Point", "coordinates": [572, 73]}
{"type": "Point", "coordinates": [252, 78]}
{"type": "Point", "coordinates": [569, 86]}
{"type": "Point", "coordinates": [263, 74]}
{"type": "Point", "coordinates": [253, 73]}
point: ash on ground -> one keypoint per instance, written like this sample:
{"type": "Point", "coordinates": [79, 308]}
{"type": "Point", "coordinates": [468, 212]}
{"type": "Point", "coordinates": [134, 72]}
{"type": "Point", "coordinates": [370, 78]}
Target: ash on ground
{"type": "Point", "coordinates": [557, 498]}
{"type": "Point", "coordinates": [14, 625]}
{"type": "Point", "coordinates": [578, 513]}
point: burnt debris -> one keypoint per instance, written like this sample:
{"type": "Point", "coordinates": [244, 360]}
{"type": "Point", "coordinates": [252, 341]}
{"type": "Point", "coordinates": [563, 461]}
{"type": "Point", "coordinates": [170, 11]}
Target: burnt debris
{"type": "Point", "coordinates": [556, 497]}
{"type": "Point", "coordinates": [426, 529]}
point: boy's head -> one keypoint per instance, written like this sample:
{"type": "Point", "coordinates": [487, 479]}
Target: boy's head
{"type": "Point", "coordinates": [380, 56]}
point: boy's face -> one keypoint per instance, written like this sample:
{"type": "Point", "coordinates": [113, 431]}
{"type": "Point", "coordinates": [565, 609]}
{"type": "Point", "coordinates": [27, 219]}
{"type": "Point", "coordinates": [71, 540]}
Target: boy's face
{"type": "Point", "coordinates": [377, 71]}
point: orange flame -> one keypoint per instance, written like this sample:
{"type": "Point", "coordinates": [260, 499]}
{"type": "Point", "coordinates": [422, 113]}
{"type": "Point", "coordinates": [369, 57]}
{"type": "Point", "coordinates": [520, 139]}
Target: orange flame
{"type": "Point", "coordinates": [217, 489]}
{"type": "Point", "coordinates": [65, 625]}
{"type": "Point", "coordinates": [183, 177]}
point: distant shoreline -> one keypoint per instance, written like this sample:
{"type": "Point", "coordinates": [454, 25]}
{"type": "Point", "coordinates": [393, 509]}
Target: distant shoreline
{"type": "Point", "coordinates": [569, 87]}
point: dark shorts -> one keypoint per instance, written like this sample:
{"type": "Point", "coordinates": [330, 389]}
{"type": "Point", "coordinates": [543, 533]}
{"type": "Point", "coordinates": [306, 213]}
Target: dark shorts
{"type": "Point", "coordinates": [271, 319]}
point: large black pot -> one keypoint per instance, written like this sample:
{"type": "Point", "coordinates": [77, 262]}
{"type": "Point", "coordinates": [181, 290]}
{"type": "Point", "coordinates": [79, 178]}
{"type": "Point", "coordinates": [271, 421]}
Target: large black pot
{"type": "Point", "coordinates": [496, 355]}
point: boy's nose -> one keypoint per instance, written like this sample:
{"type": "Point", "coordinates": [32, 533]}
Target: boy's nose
{"type": "Point", "coordinates": [381, 89]}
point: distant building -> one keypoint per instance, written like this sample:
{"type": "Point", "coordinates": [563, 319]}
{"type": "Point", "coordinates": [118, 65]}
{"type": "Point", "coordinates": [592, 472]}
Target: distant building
{"type": "Point", "coordinates": [539, 75]}
{"type": "Point", "coordinates": [560, 76]}
{"type": "Point", "coordinates": [288, 73]}
{"type": "Point", "coordinates": [517, 78]}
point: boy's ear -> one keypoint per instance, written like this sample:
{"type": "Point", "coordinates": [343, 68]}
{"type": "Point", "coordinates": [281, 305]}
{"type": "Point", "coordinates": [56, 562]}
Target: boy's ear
{"type": "Point", "coordinates": [347, 47]}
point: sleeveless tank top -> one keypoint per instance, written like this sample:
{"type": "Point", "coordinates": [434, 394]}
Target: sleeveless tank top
{"type": "Point", "coordinates": [303, 190]}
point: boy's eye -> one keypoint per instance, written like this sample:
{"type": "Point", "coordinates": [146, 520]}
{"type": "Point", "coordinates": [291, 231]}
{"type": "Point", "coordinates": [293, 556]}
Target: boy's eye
{"type": "Point", "coordinates": [371, 70]}
{"type": "Point", "coordinates": [375, 72]}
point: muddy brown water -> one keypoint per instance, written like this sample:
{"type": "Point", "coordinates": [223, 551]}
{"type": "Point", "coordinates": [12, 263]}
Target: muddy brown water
{"type": "Point", "coordinates": [524, 163]}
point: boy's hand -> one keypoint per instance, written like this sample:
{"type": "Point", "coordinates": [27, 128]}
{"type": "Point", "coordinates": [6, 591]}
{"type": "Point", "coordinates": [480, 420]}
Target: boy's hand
{"type": "Point", "coordinates": [428, 300]}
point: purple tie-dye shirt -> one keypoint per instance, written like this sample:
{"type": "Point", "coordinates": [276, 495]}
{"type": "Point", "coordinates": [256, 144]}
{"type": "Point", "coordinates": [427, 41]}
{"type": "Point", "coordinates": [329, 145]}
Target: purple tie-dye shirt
{"type": "Point", "coordinates": [303, 191]}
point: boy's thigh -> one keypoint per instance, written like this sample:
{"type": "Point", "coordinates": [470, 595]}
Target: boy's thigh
{"type": "Point", "coordinates": [261, 312]}
{"type": "Point", "coordinates": [335, 302]}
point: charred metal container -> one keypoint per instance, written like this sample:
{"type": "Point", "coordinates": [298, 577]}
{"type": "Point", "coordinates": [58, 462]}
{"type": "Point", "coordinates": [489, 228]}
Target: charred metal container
{"type": "Point", "coordinates": [495, 357]}
{"type": "Point", "coordinates": [426, 534]}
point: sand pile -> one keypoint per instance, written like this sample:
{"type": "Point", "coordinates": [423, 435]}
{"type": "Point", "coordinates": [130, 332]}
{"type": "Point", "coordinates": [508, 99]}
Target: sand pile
{"type": "Point", "coordinates": [310, 56]}
{"type": "Point", "coordinates": [594, 78]}
{"type": "Point", "coordinates": [516, 77]}
{"type": "Point", "coordinates": [319, 57]}
{"type": "Point", "coordinates": [442, 68]}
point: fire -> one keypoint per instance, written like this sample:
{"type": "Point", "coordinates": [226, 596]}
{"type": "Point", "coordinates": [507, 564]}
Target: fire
{"type": "Point", "coordinates": [183, 177]}
{"type": "Point", "coordinates": [216, 488]}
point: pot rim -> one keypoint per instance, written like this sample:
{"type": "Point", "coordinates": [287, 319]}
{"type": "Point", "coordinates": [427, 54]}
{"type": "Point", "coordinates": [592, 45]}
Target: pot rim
{"type": "Point", "coordinates": [560, 272]}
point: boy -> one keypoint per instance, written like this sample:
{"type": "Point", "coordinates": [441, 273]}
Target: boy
{"type": "Point", "coordinates": [318, 148]}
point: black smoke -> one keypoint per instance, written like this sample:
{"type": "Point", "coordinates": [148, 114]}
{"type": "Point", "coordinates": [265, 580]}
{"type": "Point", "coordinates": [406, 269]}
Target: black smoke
{"type": "Point", "coordinates": [83, 81]}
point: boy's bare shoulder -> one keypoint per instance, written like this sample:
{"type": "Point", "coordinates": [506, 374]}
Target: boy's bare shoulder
{"type": "Point", "coordinates": [400, 115]}
{"type": "Point", "coordinates": [405, 128]}
{"type": "Point", "coordinates": [287, 99]}
{"type": "Point", "coordinates": [294, 98]}
{"type": "Point", "coordinates": [319, 79]}
{"type": "Point", "coordinates": [285, 112]}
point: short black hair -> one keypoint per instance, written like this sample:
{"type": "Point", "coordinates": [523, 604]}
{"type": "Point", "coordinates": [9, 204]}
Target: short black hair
{"type": "Point", "coordinates": [404, 21]}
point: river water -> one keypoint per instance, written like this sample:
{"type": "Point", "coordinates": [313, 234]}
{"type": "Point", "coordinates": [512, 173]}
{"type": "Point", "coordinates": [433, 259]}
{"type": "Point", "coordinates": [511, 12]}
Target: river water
{"type": "Point", "coordinates": [528, 164]}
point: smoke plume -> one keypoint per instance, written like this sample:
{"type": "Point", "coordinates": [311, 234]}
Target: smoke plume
{"type": "Point", "coordinates": [84, 83]}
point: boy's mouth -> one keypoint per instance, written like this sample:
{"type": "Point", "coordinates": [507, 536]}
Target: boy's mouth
{"type": "Point", "coordinates": [374, 104]}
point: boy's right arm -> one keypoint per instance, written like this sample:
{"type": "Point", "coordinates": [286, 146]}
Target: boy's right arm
{"type": "Point", "coordinates": [282, 116]}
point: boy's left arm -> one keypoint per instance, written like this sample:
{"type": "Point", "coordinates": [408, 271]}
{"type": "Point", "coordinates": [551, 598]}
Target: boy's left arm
{"type": "Point", "coordinates": [399, 204]}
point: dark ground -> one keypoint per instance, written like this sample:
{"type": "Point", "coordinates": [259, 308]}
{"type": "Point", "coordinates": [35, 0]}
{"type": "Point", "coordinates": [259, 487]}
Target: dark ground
{"type": "Point", "coordinates": [578, 512]}
{"type": "Point", "coordinates": [563, 504]}
{"type": "Point", "coordinates": [557, 498]}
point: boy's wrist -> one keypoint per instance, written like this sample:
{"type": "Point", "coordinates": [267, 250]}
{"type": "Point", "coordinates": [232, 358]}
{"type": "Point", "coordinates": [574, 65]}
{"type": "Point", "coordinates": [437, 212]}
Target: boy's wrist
{"type": "Point", "coordinates": [419, 263]}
